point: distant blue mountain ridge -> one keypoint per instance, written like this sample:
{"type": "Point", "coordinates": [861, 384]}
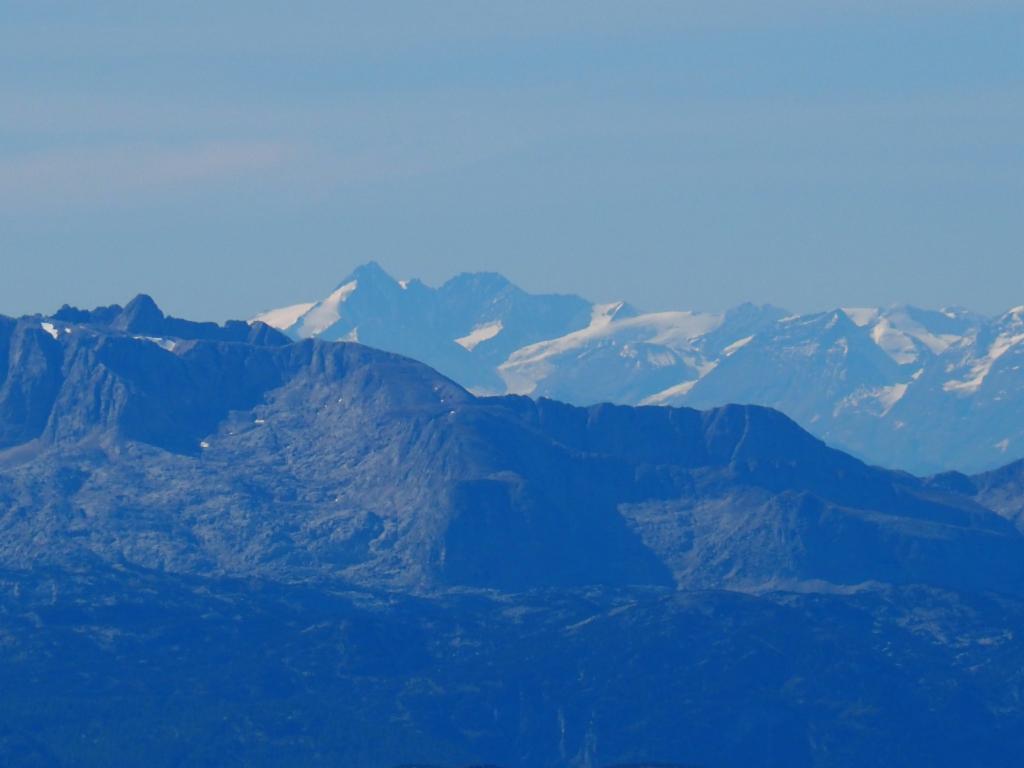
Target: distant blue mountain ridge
{"type": "Point", "coordinates": [922, 390]}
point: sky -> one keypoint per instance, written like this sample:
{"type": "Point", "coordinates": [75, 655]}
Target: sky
{"type": "Point", "coordinates": [230, 157]}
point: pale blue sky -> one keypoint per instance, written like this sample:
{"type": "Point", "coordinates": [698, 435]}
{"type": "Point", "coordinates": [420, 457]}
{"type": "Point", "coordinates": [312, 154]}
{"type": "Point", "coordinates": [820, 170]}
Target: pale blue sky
{"type": "Point", "coordinates": [231, 156]}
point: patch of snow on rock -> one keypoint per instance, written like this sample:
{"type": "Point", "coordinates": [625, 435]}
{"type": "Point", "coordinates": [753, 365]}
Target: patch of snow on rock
{"type": "Point", "coordinates": [479, 335]}
{"type": "Point", "coordinates": [529, 365]}
{"type": "Point", "coordinates": [669, 394]}
{"type": "Point", "coordinates": [884, 397]}
{"type": "Point", "coordinates": [896, 344]}
{"type": "Point", "coordinates": [736, 346]}
{"type": "Point", "coordinates": [983, 366]}
{"type": "Point", "coordinates": [165, 344]}
{"type": "Point", "coordinates": [889, 396]}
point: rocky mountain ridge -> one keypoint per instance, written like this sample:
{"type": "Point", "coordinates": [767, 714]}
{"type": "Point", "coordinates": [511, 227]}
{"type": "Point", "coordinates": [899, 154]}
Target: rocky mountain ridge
{"type": "Point", "coordinates": [334, 460]}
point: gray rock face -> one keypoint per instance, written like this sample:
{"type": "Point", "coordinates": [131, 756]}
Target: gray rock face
{"type": "Point", "coordinates": [1001, 490]}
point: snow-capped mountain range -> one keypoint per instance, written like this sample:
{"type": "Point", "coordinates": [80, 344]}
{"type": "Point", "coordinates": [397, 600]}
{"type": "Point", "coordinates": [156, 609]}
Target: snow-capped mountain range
{"type": "Point", "coordinates": [922, 390]}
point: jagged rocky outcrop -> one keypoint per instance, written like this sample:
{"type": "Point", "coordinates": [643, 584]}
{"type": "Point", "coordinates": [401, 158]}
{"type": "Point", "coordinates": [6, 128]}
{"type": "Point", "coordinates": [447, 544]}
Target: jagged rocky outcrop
{"type": "Point", "coordinates": [142, 317]}
{"type": "Point", "coordinates": [114, 370]}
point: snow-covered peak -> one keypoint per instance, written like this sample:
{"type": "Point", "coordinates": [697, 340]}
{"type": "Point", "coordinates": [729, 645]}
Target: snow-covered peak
{"type": "Point", "coordinates": [981, 365]}
{"type": "Point", "coordinates": [905, 333]}
{"type": "Point", "coordinates": [369, 273]}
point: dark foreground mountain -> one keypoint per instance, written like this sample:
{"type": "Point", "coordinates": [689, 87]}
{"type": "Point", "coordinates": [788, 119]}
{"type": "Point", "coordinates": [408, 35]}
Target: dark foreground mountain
{"type": "Point", "coordinates": [227, 549]}
{"type": "Point", "coordinates": [126, 667]}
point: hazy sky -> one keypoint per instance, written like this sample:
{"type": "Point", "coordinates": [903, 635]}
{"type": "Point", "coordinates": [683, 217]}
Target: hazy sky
{"type": "Point", "coordinates": [231, 156]}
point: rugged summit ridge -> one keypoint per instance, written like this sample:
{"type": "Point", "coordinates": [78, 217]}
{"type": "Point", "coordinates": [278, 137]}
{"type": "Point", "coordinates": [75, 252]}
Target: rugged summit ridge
{"type": "Point", "coordinates": [346, 462]}
{"type": "Point", "coordinates": [133, 369]}
{"type": "Point", "coordinates": [142, 317]}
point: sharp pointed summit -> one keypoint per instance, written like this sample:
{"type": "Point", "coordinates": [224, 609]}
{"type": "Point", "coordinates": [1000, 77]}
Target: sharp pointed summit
{"type": "Point", "coordinates": [369, 274]}
{"type": "Point", "coordinates": [141, 315]}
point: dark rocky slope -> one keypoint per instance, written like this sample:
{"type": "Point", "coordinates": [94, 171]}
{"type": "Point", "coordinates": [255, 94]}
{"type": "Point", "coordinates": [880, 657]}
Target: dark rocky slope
{"type": "Point", "coordinates": [333, 460]}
